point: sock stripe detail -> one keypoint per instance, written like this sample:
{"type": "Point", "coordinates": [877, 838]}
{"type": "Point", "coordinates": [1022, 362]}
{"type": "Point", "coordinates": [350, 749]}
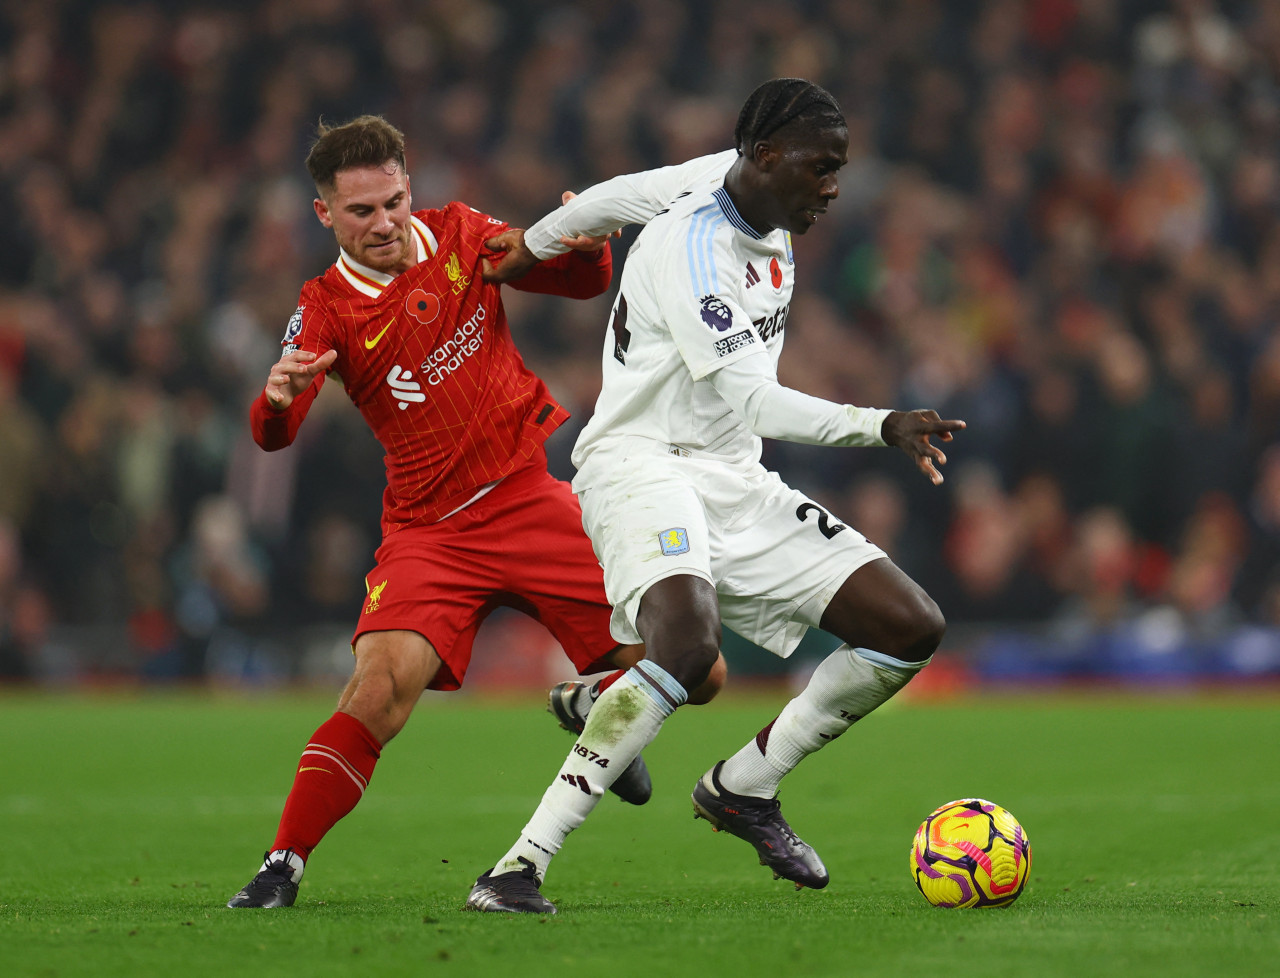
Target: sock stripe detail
{"type": "Point", "coordinates": [880, 659]}
{"type": "Point", "coordinates": [320, 750]}
{"type": "Point", "coordinates": [658, 682]}
{"type": "Point", "coordinates": [762, 738]}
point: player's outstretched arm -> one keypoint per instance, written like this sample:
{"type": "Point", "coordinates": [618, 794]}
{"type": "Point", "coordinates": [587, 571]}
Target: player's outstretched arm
{"type": "Point", "coordinates": [912, 430]}
{"type": "Point", "coordinates": [584, 242]}
{"type": "Point", "coordinates": [293, 374]}
{"type": "Point", "coordinates": [586, 221]}
{"type": "Point", "coordinates": [517, 259]}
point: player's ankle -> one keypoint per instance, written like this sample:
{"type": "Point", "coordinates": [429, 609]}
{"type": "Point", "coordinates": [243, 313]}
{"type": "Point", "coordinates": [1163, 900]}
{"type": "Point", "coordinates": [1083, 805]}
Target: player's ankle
{"type": "Point", "coordinates": [289, 858]}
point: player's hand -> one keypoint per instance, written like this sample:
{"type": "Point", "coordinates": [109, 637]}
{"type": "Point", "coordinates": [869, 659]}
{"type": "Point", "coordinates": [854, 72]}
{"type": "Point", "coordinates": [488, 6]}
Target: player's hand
{"type": "Point", "coordinates": [514, 261]}
{"type": "Point", "coordinates": [585, 242]}
{"type": "Point", "coordinates": [516, 257]}
{"type": "Point", "coordinates": [293, 373]}
{"type": "Point", "coordinates": [911, 431]}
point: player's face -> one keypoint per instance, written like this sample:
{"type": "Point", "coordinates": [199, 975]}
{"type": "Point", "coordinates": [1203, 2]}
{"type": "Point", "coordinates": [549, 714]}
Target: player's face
{"type": "Point", "coordinates": [802, 177]}
{"type": "Point", "coordinates": [368, 210]}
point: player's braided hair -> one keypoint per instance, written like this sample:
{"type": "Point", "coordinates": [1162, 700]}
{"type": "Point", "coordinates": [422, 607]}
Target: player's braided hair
{"type": "Point", "coordinates": [368, 140]}
{"type": "Point", "coordinates": [780, 102]}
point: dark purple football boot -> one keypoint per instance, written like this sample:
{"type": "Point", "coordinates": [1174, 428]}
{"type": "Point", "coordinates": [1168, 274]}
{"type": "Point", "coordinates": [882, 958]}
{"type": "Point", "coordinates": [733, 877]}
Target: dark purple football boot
{"type": "Point", "coordinates": [760, 822]}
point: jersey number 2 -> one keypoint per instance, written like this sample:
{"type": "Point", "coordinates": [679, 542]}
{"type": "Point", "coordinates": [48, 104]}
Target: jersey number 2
{"type": "Point", "coordinates": [825, 524]}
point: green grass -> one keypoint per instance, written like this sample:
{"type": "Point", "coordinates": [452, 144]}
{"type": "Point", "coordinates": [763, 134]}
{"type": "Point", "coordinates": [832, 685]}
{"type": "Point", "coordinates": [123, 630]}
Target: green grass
{"type": "Point", "coordinates": [127, 821]}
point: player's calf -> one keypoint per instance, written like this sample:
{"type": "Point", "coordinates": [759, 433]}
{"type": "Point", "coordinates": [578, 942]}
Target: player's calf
{"type": "Point", "coordinates": [570, 702]}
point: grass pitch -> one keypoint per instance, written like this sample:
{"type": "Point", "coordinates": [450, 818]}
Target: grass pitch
{"type": "Point", "coordinates": [126, 822]}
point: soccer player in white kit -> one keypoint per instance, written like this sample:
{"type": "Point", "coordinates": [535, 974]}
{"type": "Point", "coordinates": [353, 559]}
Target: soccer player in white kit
{"type": "Point", "coordinates": [691, 529]}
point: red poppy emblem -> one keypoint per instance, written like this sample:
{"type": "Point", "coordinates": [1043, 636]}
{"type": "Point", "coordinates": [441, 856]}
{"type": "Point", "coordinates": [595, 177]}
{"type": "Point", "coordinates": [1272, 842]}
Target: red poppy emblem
{"type": "Point", "coordinates": [422, 306]}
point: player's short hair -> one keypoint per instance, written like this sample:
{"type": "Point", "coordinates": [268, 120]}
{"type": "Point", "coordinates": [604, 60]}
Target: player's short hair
{"type": "Point", "coordinates": [782, 102]}
{"type": "Point", "coordinates": [368, 140]}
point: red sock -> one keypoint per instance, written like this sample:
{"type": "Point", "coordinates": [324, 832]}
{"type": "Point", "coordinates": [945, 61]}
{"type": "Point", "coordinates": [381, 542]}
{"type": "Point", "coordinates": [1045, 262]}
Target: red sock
{"type": "Point", "coordinates": [332, 774]}
{"type": "Point", "coordinates": [608, 681]}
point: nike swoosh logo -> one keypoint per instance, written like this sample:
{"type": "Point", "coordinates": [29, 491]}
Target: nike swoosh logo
{"type": "Point", "coordinates": [369, 344]}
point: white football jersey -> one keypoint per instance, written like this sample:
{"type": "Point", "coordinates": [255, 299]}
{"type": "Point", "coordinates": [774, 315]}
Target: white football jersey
{"type": "Point", "coordinates": [701, 289]}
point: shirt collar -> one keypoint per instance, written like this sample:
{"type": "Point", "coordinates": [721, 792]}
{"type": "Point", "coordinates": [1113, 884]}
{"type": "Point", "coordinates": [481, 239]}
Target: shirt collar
{"type": "Point", "coordinates": [370, 281]}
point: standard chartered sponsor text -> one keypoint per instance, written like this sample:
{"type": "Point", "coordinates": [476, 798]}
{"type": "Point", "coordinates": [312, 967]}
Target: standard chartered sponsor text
{"type": "Point", "coordinates": [453, 352]}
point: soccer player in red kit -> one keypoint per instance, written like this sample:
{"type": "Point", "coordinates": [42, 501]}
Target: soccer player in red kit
{"type": "Point", "coordinates": [471, 518]}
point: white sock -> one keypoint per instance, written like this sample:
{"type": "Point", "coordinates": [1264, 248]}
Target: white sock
{"type": "Point", "coordinates": [622, 723]}
{"type": "Point", "coordinates": [290, 858]}
{"type": "Point", "coordinates": [847, 685]}
{"type": "Point", "coordinates": [585, 698]}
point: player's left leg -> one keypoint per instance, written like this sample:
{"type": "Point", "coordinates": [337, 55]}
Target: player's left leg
{"type": "Point", "coordinates": [392, 668]}
{"type": "Point", "coordinates": [890, 628]}
{"type": "Point", "coordinates": [796, 567]}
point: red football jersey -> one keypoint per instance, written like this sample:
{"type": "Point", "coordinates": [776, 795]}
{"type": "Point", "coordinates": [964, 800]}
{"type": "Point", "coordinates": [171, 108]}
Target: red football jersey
{"type": "Point", "coordinates": [428, 359]}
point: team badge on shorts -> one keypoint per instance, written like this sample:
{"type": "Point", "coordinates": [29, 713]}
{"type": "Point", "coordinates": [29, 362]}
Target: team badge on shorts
{"type": "Point", "coordinates": [674, 541]}
{"type": "Point", "coordinates": [375, 597]}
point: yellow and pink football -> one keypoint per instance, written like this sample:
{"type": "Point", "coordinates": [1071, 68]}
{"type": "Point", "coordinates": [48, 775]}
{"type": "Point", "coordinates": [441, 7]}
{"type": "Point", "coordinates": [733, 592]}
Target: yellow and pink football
{"type": "Point", "coordinates": [970, 853]}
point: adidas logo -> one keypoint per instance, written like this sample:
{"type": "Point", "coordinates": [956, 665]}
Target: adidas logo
{"type": "Point", "coordinates": [403, 387]}
{"type": "Point", "coordinates": [752, 275]}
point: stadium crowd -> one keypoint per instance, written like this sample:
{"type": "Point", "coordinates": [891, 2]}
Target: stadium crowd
{"type": "Point", "coordinates": [1057, 222]}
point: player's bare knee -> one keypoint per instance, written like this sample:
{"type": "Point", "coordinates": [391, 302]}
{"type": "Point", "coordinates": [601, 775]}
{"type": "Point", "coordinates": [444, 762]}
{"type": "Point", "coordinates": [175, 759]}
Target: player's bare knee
{"type": "Point", "coordinates": [382, 693]}
{"type": "Point", "coordinates": [921, 632]}
{"type": "Point", "coordinates": [686, 644]}
{"type": "Point", "coordinates": [688, 656]}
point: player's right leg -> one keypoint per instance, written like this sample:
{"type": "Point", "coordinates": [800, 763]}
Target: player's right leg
{"type": "Point", "coordinates": [392, 668]}
{"type": "Point", "coordinates": [570, 702]}
{"type": "Point", "coordinates": [535, 524]}
{"type": "Point", "coordinates": [681, 626]}
{"type": "Point", "coordinates": [787, 559]}
{"type": "Point", "coordinates": [655, 548]}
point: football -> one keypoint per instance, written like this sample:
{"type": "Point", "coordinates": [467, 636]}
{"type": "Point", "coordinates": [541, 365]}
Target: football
{"type": "Point", "coordinates": [970, 853]}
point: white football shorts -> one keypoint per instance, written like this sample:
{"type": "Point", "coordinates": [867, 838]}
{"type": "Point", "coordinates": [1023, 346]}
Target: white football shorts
{"type": "Point", "coordinates": [775, 557]}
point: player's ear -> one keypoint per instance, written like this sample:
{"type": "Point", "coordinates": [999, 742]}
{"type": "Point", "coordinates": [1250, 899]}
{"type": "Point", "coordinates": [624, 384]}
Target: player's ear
{"type": "Point", "coordinates": [322, 212]}
{"type": "Point", "coordinates": [764, 154]}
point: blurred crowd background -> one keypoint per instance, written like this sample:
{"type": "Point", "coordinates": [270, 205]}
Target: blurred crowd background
{"type": "Point", "coordinates": [1058, 222]}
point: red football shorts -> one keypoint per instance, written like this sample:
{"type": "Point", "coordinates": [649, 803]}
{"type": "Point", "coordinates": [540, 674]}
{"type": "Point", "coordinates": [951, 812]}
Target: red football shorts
{"type": "Point", "coordinates": [522, 546]}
